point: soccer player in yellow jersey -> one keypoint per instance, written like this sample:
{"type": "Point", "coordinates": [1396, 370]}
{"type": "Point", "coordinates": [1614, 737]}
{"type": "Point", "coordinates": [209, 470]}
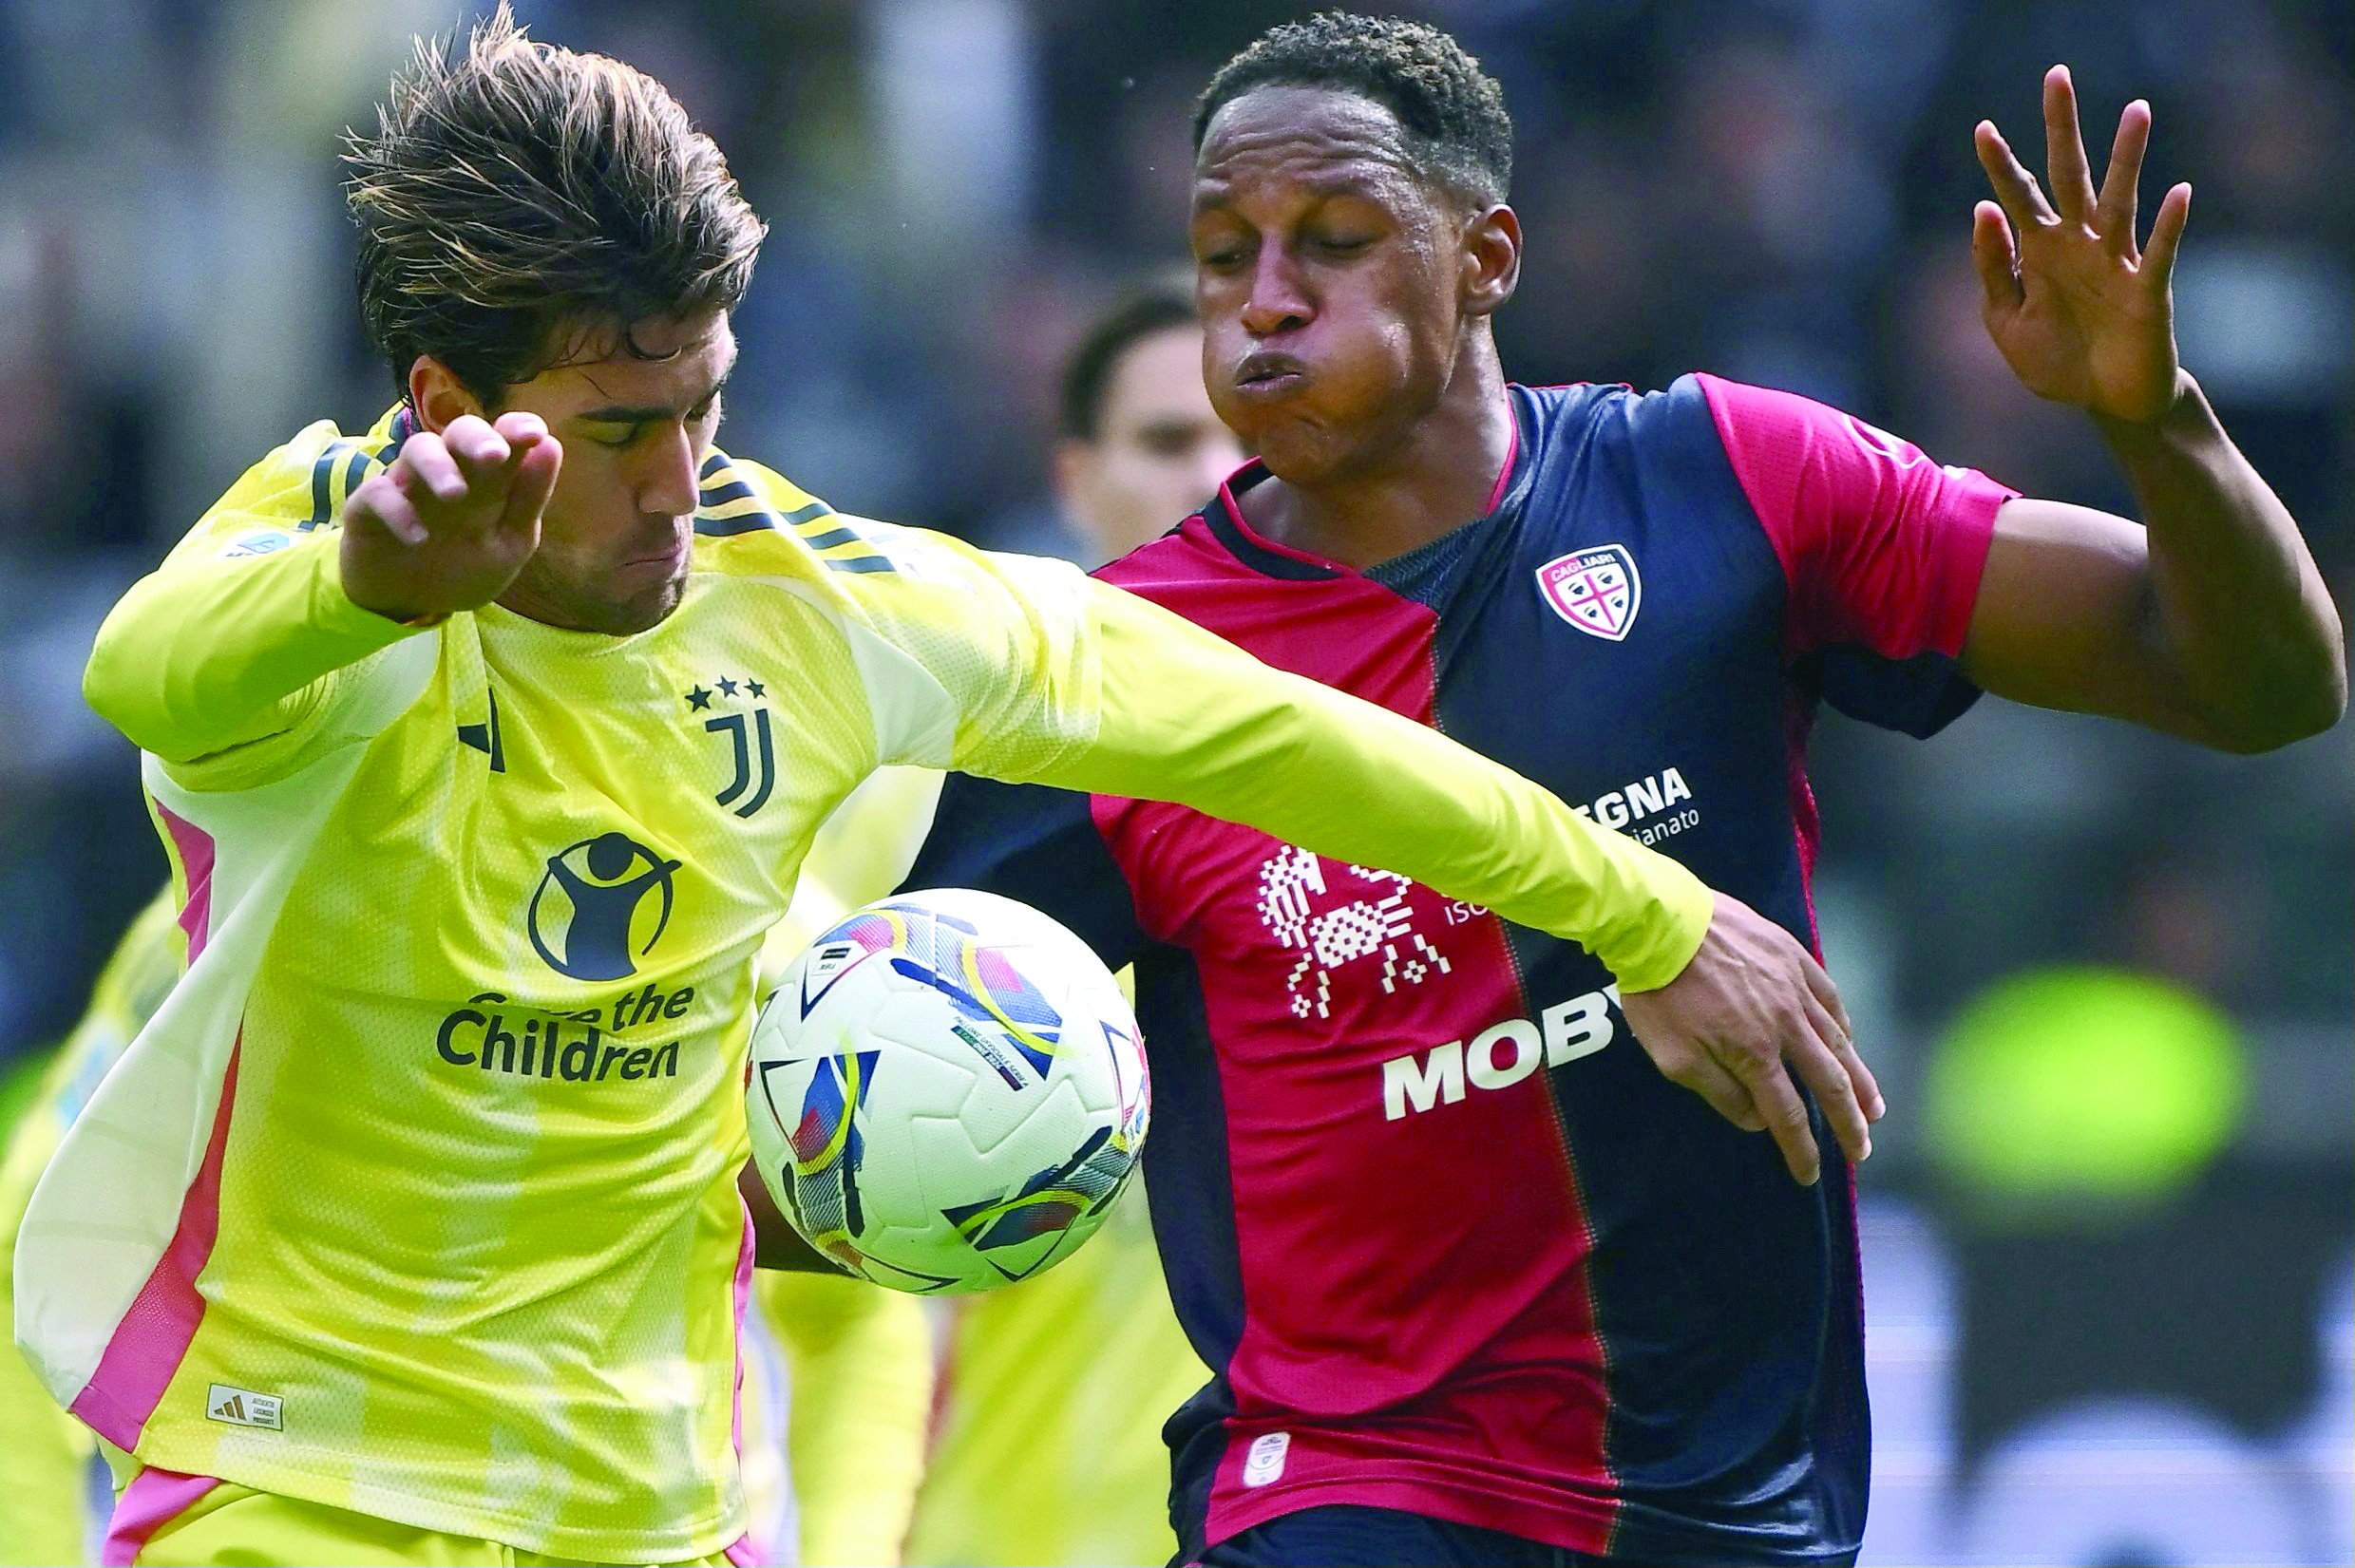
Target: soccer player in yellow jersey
{"type": "Point", "coordinates": [486, 744]}
{"type": "Point", "coordinates": [1075, 1368]}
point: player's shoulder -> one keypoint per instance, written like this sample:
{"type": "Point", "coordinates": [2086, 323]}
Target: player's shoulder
{"type": "Point", "coordinates": [297, 487]}
{"type": "Point", "coordinates": [1208, 553]}
{"type": "Point", "coordinates": [1614, 411]}
{"type": "Point", "coordinates": [755, 526]}
{"type": "Point", "coordinates": [1611, 464]}
{"type": "Point", "coordinates": [757, 530]}
{"type": "Point", "coordinates": [1185, 553]}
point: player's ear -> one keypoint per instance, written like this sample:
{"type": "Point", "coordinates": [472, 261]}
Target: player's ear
{"type": "Point", "coordinates": [1492, 258]}
{"type": "Point", "coordinates": [438, 395]}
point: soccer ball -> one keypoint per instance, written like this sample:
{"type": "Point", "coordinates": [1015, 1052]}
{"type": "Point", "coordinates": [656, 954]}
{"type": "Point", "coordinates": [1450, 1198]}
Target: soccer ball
{"type": "Point", "coordinates": [947, 1092]}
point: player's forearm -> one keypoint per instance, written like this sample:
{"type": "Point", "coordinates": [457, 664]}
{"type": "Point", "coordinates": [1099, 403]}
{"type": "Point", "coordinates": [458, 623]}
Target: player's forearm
{"type": "Point", "coordinates": [2241, 610]}
{"type": "Point", "coordinates": [205, 654]}
{"type": "Point", "coordinates": [1189, 718]}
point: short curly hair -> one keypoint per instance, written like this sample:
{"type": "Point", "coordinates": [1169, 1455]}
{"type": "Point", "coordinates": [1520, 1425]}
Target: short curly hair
{"type": "Point", "coordinates": [1453, 111]}
{"type": "Point", "coordinates": [518, 199]}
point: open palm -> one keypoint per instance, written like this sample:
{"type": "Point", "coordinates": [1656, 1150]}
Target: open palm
{"type": "Point", "coordinates": [2079, 312]}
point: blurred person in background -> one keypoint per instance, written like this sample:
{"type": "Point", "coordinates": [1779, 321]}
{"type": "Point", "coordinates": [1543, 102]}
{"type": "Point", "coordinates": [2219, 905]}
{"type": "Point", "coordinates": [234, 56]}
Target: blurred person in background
{"type": "Point", "coordinates": [1138, 442]}
{"type": "Point", "coordinates": [1567, 1318]}
{"type": "Point", "coordinates": [1073, 1370]}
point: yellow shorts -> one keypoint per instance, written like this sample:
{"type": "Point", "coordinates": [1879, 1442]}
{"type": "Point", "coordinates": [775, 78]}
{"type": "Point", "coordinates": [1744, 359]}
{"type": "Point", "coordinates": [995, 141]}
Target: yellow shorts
{"type": "Point", "coordinates": [163, 1517]}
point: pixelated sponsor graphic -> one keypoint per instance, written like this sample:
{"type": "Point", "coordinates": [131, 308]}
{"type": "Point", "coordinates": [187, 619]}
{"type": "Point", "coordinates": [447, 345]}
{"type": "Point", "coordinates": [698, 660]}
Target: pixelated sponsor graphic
{"type": "Point", "coordinates": [1263, 1463]}
{"type": "Point", "coordinates": [1308, 909]}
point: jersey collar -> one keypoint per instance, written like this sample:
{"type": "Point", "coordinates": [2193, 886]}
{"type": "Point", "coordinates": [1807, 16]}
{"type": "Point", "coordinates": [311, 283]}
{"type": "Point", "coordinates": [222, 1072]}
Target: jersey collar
{"type": "Point", "coordinates": [1224, 516]}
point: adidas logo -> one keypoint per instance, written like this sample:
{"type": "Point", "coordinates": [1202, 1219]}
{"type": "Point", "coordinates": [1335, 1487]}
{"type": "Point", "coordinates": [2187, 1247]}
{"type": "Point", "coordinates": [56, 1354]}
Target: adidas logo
{"type": "Point", "coordinates": [243, 1408]}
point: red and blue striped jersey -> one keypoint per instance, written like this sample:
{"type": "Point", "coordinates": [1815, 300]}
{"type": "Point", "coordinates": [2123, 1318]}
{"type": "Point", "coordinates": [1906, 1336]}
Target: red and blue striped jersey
{"type": "Point", "coordinates": [1446, 1239]}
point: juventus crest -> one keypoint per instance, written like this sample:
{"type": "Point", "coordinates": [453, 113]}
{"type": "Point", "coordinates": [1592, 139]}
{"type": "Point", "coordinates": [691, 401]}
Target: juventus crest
{"type": "Point", "coordinates": [750, 736]}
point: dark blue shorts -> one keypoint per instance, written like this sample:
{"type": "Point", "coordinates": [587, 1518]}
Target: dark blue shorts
{"type": "Point", "coordinates": [1346, 1536]}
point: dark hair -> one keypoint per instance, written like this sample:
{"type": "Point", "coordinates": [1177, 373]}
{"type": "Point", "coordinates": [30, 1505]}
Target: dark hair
{"type": "Point", "coordinates": [1453, 111]}
{"type": "Point", "coordinates": [1088, 374]}
{"type": "Point", "coordinates": [515, 191]}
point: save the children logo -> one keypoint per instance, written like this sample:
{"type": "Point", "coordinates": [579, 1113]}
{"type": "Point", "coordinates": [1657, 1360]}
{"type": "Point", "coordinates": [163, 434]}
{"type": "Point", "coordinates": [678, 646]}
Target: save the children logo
{"type": "Point", "coordinates": [602, 905]}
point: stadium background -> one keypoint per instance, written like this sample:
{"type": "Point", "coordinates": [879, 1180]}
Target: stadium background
{"type": "Point", "coordinates": [2110, 1247]}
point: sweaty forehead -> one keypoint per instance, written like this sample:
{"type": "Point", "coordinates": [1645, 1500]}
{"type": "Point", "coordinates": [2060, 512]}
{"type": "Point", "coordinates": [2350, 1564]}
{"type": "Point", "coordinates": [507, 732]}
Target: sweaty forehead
{"type": "Point", "coordinates": [1316, 137]}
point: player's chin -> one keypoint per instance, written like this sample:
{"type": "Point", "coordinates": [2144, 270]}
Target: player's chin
{"type": "Point", "coordinates": [1302, 450]}
{"type": "Point", "coordinates": [639, 609]}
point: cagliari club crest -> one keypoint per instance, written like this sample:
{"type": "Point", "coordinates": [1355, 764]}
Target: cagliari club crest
{"type": "Point", "coordinates": [1595, 589]}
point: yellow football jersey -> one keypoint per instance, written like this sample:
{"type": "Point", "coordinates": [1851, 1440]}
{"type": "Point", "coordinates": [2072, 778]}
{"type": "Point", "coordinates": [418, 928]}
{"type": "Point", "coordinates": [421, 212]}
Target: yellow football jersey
{"type": "Point", "coordinates": [417, 1195]}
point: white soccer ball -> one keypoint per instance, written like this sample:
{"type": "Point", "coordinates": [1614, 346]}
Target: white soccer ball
{"type": "Point", "coordinates": [947, 1092]}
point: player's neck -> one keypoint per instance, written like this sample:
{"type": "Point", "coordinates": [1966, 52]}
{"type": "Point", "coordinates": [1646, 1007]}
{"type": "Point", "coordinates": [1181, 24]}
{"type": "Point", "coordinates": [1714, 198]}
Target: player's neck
{"type": "Point", "coordinates": [1434, 478]}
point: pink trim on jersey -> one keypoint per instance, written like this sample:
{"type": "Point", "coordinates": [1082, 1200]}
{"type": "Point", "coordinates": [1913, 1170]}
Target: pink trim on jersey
{"type": "Point", "coordinates": [195, 849]}
{"type": "Point", "coordinates": [744, 1306]}
{"type": "Point", "coordinates": [1879, 546]}
{"type": "Point", "coordinates": [153, 1499]}
{"type": "Point", "coordinates": [153, 1338]}
{"type": "Point", "coordinates": [743, 1553]}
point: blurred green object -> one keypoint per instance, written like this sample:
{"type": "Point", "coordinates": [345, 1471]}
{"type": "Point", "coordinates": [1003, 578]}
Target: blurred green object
{"type": "Point", "coordinates": [17, 1089]}
{"type": "Point", "coordinates": [2082, 1083]}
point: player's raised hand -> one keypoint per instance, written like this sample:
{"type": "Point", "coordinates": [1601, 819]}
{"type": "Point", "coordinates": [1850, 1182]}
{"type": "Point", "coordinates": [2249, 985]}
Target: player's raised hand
{"type": "Point", "coordinates": [2080, 312]}
{"type": "Point", "coordinates": [449, 525]}
{"type": "Point", "coordinates": [1751, 1009]}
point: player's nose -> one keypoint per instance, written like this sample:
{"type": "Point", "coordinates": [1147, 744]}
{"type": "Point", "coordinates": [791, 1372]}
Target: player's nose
{"type": "Point", "coordinates": [667, 485]}
{"type": "Point", "coordinates": [1279, 302]}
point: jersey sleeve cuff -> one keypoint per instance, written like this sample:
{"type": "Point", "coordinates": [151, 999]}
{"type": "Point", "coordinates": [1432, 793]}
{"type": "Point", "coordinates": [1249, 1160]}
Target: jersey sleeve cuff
{"type": "Point", "coordinates": [331, 612]}
{"type": "Point", "coordinates": [1677, 921]}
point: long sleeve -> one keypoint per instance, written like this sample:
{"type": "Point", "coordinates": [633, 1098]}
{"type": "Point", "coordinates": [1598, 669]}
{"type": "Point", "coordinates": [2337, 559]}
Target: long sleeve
{"type": "Point", "coordinates": [215, 650]}
{"type": "Point", "coordinates": [1188, 717]}
{"type": "Point", "coordinates": [49, 1451]}
{"type": "Point", "coordinates": [1023, 669]}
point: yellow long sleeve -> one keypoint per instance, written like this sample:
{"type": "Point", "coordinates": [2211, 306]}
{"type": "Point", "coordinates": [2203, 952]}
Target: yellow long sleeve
{"type": "Point", "coordinates": [1025, 670]}
{"type": "Point", "coordinates": [1190, 718]}
{"type": "Point", "coordinates": [206, 653]}
{"type": "Point", "coordinates": [244, 631]}
{"type": "Point", "coordinates": [46, 1518]}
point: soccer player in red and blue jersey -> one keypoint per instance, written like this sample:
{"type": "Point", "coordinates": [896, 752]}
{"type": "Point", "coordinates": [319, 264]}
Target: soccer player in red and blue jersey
{"type": "Point", "coordinates": [1476, 1281]}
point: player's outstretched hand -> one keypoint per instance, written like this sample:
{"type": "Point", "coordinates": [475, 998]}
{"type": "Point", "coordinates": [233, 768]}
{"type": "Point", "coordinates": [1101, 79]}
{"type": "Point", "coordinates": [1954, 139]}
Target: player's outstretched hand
{"type": "Point", "coordinates": [1751, 1001]}
{"type": "Point", "coordinates": [449, 525]}
{"type": "Point", "coordinates": [2080, 315]}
